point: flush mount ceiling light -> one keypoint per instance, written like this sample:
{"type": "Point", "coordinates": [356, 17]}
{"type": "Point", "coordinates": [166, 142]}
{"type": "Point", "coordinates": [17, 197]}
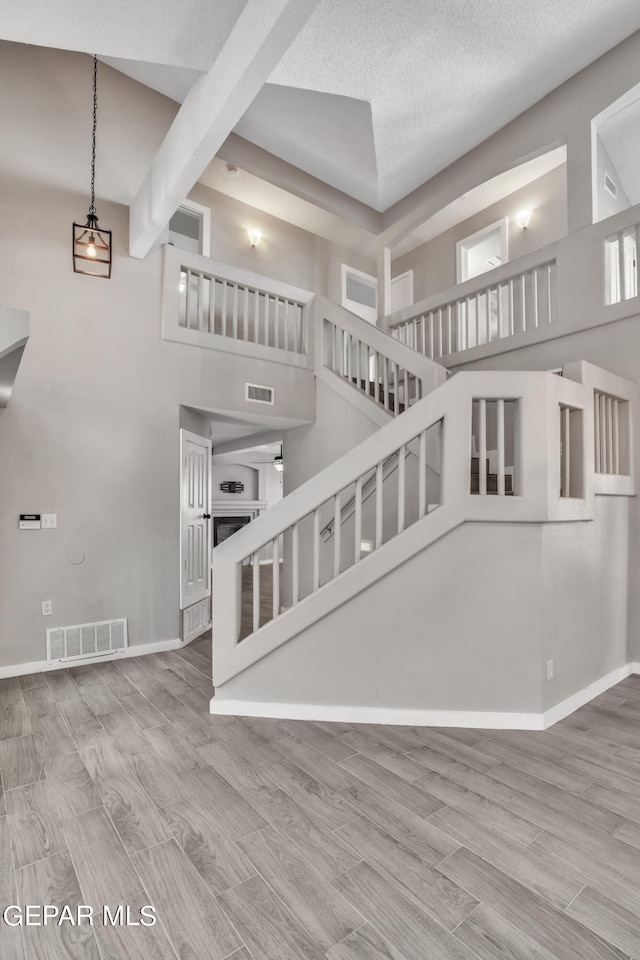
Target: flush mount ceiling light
{"type": "Point", "coordinates": [254, 237]}
{"type": "Point", "coordinates": [91, 243]}
{"type": "Point", "coordinates": [523, 219]}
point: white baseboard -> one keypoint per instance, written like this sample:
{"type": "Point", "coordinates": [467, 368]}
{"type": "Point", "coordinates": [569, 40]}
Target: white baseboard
{"type": "Point", "coordinates": [42, 666]}
{"type": "Point", "coordinates": [421, 718]}
{"type": "Point", "coordinates": [572, 703]}
{"type": "Point", "coordinates": [392, 716]}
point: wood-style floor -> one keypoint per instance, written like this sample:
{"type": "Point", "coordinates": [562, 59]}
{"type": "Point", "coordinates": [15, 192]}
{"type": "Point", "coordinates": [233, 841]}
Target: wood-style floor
{"type": "Point", "coordinates": [288, 840]}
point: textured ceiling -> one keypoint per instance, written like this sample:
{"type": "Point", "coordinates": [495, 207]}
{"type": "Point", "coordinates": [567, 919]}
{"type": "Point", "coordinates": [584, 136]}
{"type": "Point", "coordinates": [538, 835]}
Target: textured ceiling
{"type": "Point", "coordinates": [372, 97]}
{"type": "Point", "coordinates": [442, 75]}
{"type": "Point", "coordinates": [188, 34]}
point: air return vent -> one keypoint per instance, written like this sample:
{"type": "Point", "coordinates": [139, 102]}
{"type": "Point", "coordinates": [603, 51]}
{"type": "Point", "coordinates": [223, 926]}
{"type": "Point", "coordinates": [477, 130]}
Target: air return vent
{"type": "Point", "coordinates": [196, 619]}
{"type": "Point", "coordinates": [86, 640]}
{"type": "Point", "coordinates": [258, 393]}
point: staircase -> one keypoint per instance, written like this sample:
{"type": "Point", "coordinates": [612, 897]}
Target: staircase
{"type": "Point", "coordinates": [398, 566]}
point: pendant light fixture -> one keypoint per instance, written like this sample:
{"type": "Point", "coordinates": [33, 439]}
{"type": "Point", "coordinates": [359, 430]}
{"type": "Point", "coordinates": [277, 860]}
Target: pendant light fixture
{"type": "Point", "coordinates": [91, 243]}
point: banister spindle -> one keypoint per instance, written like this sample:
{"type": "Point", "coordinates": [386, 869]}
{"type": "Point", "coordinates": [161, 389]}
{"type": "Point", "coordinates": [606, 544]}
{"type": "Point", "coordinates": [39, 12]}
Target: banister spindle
{"type": "Point", "coordinates": [482, 441]}
{"type": "Point", "coordinates": [357, 520]}
{"type": "Point", "coordinates": [337, 532]}
{"type": "Point", "coordinates": [422, 475]}
{"type": "Point", "coordinates": [396, 402]}
{"type": "Point", "coordinates": [256, 592]}
{"type": "Point", "coordinates": [566, 479]}
{"type": "Point", "coordinates": [401, 487]}
{"type": "Point", "coordinates": [276, 578]}
{"type": "Point", "coordinates": [385, 382]}
{"type": "Point", "coordinates": [616, 436]}
{"type": "Point", "coordinates": [200, 303]}
{"type": "Point", "coordinates": [603, 434]}
{"type": "Point", "coordinates": [596, 429]}
{"type": "Point", "coordinates": [245, 315]}
{"type": "Point", "coordinates": [223, 309]}
{"type": "Point", "coordinates": [234, 310]}
{"type": "Point", "coordinates": [379, 505]}
{"type": "Point", "coordinates": [188, 301]}
{"type": "Point", "coordinates": [501, 444]}
{"type": "Point", "coordinates": [609, 415]}
{"type": "Point", "coordinates": [295, 563]}
{"type": "Point", "coordinates": [256, 317]}
{"type": "Point", "coordinates": [316, 548]}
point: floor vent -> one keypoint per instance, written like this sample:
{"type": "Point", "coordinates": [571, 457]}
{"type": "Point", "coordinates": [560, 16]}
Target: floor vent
{"type": "Point", "coordinates": [258, 393]}
{"type": "Point", "coordinates": [196, 619]}
{"type": "Point", "coordinates": [86, 640]}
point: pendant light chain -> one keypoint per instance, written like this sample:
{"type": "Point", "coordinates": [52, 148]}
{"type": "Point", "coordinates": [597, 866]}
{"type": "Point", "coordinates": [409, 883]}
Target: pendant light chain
{"type": "Point", "coordinates": [92, 208]}
{"type": "Point", "coordinates": [92, 244]}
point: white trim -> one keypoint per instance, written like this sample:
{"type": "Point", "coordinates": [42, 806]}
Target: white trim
{"type": "Point", "coordinates": [205, 214]}
{"type": "Point", "coordinates": [473, 239]}
{"type": "Point", "coordinates": [137, 650]}
{"type": "Point", "coordinates": [370, 314]}
{"type": "Point", "coordinates": [572, 703]}
{"type": "Point", "coordinates": [421, 718]}
{"type": "Point", "coordinates": [384, 715]}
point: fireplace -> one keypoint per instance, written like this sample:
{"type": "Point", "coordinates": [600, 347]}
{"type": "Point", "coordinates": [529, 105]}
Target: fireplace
{"type": "Point", "coordinates": [224, 527]}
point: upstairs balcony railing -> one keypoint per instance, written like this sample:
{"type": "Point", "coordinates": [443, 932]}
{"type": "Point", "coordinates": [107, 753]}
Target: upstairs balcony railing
{"type": "Point", "coordinates": [482, 313]}
{"type": "Point", "coordinates": [220, 307]}
{"type": "Point", "coordinates": [586, 279]}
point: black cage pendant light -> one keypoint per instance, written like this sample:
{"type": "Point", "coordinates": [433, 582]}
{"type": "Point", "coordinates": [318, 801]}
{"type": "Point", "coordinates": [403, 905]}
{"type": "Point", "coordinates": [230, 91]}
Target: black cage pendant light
{"type": "Point", "coordinates": [91, 243]}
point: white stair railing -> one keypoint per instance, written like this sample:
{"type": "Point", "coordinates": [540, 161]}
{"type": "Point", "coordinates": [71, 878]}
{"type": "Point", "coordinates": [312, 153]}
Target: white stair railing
{"type": "Point", "coordinates": [481, 313]}
{"type": "Point", "coordinates": [374, 363]}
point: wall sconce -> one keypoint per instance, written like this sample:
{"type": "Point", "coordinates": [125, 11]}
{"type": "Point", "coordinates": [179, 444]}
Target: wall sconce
{"type": "Point", "coordinates": [523, 218]}
{"type": "Point", "coordinates": [254, 237]}
{"type": "Point", "coordinates": [278, 462]}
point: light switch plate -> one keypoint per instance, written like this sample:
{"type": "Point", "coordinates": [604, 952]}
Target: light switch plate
{"type": "Point", "coordinates": [49, 521]}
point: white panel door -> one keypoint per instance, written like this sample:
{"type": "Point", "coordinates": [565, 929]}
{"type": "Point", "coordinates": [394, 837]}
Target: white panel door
{"type": "Point", "coordinates": [195, 518]}
{"type": "Point", "coordinates": [402, 291]}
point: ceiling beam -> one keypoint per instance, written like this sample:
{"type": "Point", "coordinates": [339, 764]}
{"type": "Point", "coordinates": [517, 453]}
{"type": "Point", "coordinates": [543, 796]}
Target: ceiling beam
{"type": "Point", "coordinates": [263, 32]}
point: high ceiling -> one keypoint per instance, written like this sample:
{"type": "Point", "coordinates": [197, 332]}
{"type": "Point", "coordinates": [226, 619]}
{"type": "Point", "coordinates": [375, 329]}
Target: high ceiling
{"type": "Point", "coordinates": [372, 98]}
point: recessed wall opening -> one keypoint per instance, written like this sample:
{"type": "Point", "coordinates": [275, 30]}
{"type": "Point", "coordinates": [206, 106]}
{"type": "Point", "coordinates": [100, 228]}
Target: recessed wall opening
{"type": "Point", "coordinates": [190, 228]}
{"type": "Point", "coordinates": [482, 251]}
{"type": "Point", "coordinates": [615, 156]}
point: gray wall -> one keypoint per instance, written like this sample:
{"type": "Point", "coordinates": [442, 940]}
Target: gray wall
{"type": "Point", "coordinates": [285, 252]}
{"type": "Point", "coordinates": [91, 432]}
{"type": "Point", "coordinates": [586, 593]}
{"type": "Point", "coordinates": [434, 263]}
{"type": "Point", "coordinates": [439, 653]}
{"type": "Point", "coordinates": [476, 627]}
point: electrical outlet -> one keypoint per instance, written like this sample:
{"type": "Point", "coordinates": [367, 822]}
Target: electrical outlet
{"type": "Point", "coordinates": [549, 669]}
{"type": "Point", "coordinates": [47, 608]}
{"type": "Point", "coordinates": [49, 521]}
